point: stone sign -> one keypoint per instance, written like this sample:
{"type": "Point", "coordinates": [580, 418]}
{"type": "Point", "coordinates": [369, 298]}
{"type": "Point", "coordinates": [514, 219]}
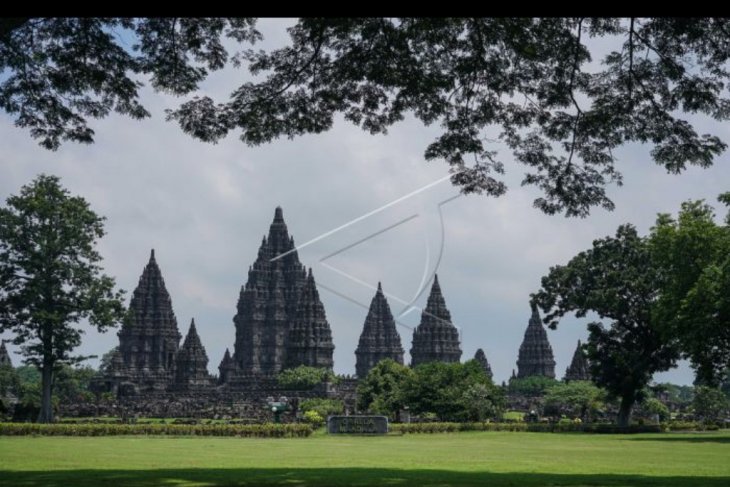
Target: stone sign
{"type": "Point", "coordinates": [362, 425]}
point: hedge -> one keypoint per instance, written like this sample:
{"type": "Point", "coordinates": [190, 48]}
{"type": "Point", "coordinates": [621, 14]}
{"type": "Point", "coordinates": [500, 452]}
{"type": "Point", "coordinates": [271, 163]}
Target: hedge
{"type": "Point", "coordinates": [531, 427]}
{"type": "Point", "coordinates": [243, 430]}
{"type": "Point", "coordinates": [691, 426]}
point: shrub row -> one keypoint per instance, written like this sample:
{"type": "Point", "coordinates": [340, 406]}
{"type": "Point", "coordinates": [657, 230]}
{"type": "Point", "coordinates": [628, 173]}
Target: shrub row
{"type": "Point", "coordinates": [690, 426]}
{"type": "Point", "coordinates": [111, 420]}
{"type": "Point", "coordinates": [243, 430]}
{"type": "Point", "coordinates": [531, 427]}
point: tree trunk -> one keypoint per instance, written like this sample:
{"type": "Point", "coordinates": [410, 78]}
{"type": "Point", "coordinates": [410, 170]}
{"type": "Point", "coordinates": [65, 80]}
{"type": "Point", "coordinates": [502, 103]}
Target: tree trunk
{"type": "Point", "coordinates": [46, 414]}
{"type": "Point", "coordinates": [624, 411]}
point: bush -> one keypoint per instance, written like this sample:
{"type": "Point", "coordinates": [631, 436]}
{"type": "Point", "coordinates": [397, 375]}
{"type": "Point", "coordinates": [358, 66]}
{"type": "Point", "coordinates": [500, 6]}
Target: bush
{"type": "Point", "coordinates": [244, 431]}
{"type": "Point", "coordinates": [313, 418]}
{"type": "Point", "coordinates": [324, 407]}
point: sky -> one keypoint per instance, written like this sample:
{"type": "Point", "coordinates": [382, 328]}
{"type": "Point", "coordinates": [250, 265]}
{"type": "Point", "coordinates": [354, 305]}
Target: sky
{"type": "Point", "coordinates": [369, 208]}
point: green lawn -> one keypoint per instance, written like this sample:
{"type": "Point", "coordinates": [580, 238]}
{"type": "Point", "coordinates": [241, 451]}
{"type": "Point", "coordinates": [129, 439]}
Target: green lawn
{"type": "Point", "coordinates": [479, 458]}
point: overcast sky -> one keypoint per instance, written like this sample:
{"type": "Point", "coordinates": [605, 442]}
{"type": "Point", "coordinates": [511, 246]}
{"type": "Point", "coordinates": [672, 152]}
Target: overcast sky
{"type": "Point", "coordinates": [204, 209]}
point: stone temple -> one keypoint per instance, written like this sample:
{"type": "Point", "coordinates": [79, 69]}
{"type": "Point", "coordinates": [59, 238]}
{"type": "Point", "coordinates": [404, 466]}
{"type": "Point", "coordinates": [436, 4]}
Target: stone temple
{"type": "Point", "coordinates": [4, 356]}
{"type": "Point", "coordinates": [379, 339]}
{"type": "Point", "coordinates": [435, 339]}
{"type": "Point", "coordinates": [280, 322]}
{"type": "Point", "coordinates": [536, 354]}
{"type": "Point", "coordinates": [578, 368]}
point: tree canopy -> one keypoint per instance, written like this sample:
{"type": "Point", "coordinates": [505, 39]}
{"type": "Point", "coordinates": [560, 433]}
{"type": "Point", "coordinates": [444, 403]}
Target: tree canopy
{"type": "Point", "coordinates": [617, 280]}
{"type": "Point", "coordinates": [532, 87]}
{"type": "Point", "coordinates": [579, 399]}
{"type": "Point", "coordinates": [667, 295]}
{"type": "Point", "coordinates": [693, 252]}
{"type": "Point", "coordinates": [50, 278]}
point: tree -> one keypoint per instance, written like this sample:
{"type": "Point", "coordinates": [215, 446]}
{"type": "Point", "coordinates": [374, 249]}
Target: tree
{"type": "Point", "coordinates": [9, 382]}
{"type": "Point", "coordinates": [304, 377]}
{"type": "Point", "coordinates": [72, 384]}
{"type": "Point", "coordinates": [578, 398]}
{"type": "Point", "coordinates": [616, 279]}
{"type": "Point", "coordinates": [482, 401]}
{"type": "Point", "coordinates": [382, 389]}
{"type": "Point", "coordinates": [534, 385]}
{"type": "Point", "coordinates": [710, 404]}
{"type": "Point", "coordinates": [50, 279]}
{"type": "Point", "coordinates": [526, 83]}
{"type": "Point", "coordinates": [655, 407]}
{"type": "Point", "coordinates": [105, 363]}
{"type": "Point", "coordinates": [693, 252]}
{"type": "Point", "coordinates": [445, 389]}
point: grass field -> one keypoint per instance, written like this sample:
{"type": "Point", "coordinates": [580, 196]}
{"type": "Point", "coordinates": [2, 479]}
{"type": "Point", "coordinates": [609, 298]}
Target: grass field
{"type": "Point", "coordinates": [480, 458]}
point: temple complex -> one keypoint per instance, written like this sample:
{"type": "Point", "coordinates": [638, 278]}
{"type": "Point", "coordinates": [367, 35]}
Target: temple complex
{"type": "Point", "coordinates": [536, 354]}
{"type": "Point", "coordinates": [280, 322]}
{"type": "Point", "coordinates": [435, 339]}
{"type": "Point", "coordinates": [379, 339]}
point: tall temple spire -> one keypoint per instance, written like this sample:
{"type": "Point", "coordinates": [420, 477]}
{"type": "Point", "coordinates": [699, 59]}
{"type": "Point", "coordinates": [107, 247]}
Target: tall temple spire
{"type": "Point", "coordinates": [536, 354]}
{"type": "Point", "coordinates": [578, 368]}
{"type": "Point", "coordinates": [379, 339]}
{"type": "Point", "coordinates": [310, 337]}
{"type": "Point", "coordinates": [268, 303]}
{"type": "Point", "coordinates": [481, 357]}
{"type": "Point", "coordinates": [192, 362]}
{"type": "Point", "coordinates": [4, 356]}
{"type": "Point", "coordinates": [149, 337]}
{"type": "Point", "coordinates": [435, 339]}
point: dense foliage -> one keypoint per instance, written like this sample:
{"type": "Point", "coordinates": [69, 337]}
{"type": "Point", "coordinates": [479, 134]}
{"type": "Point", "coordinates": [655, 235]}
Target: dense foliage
{"type": "Point", "coordinates": [534, 85]}
{"type": "Point", "coordinates": [381, 392]}
{"type": "Point", "coordinates": [693, 253]}
{"type": "Point", "coordinates": [710, 404]}
{"type": "Point", "coordinates": [576, 399]}
{"type": "Point", "coordinates": [304, 377]}
{"type": "Point", "coordinates": [535, 385]}
{"type": "Point", "coordinates": [453, 392]}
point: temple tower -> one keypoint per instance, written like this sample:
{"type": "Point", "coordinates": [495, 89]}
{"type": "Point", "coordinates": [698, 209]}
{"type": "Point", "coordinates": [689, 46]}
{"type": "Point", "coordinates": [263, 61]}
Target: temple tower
{"type": "Point", "coordinates": [267, 303]}
{"type": "Point", "coordinates": [435, 339]}
{"type": "Point", "coordinates": [310, 336]}
{"type": "Point", "coordinates": [536, 354]}
{"type": "Point", "coordinates": [149, 337]}
{"type": "Point", "coordinates": [578, 368]}
{"type": "Point", "coordinates": [379, 339]}
{"type": "Point", "coordinates": [4, 356]}
{"type": "Point", "coordinates": [226, 368]}
{"type": "Point", "coordinates": [192, 362]}
{"type": "Point", "coordinates": [481, 357]}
